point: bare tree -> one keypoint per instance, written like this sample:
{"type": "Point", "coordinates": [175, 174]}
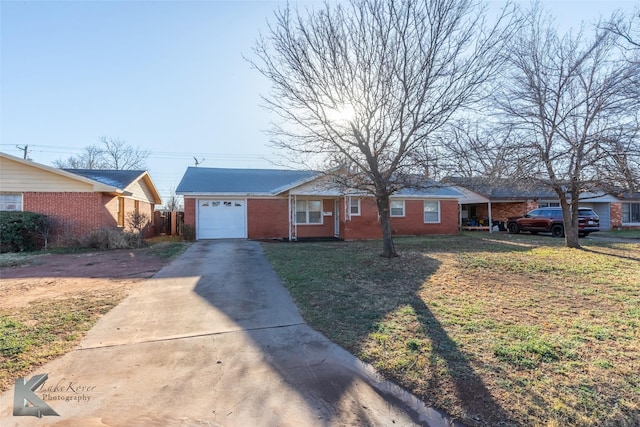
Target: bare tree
{"type": "Point", "coordinates": [138, 222]}
{"type": "Point", "coordinates": [469, 148]}
{"type": "Point", "coordinates": [575, 119]}
{"type": "Point", "coordinates": [174, 202]}
{"type": "Point", "coordinates": [90, 158]}
{"type": "Point", "coordinates": [122, 156]}
{"type": "Point", "coordinates": [358, 87]}
{"type": "Point", "coordinates": [46, 228]}
{"type": "Point", "coordinates": [628, 28]}
{"type": "Point", "coordinates": [113, 153]}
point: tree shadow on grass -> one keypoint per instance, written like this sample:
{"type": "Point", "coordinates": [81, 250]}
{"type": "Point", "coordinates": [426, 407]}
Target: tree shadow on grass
{"type": "Point", "coordinates": [253, 308]}
{"type": "Point", "coordinates": [363, 312]}
{"type": "Point", "coordinates": [473, 395]}
{"type": "Point", "coordinates": [448, 365]}
{"type": "Point", "coordinates": [633, 256]}
{"type": "Point", "coordinates": [242, 289]}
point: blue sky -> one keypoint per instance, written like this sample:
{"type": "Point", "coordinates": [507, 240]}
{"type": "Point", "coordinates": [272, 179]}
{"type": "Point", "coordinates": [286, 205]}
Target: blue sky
{"type": "Point", "coordinates": [167, 76]}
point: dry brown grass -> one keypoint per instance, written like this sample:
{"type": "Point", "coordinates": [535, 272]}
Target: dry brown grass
{"type": "Point", "coordinates": [494, 329]}
{"type": "Point", "coordinates": [42, 318]}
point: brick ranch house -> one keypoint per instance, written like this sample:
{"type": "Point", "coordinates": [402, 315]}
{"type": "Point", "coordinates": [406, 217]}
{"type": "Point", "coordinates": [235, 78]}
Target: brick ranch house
{"type": "Point", "coordinates": [486, 201]}
{"type": "Point", "coordinates": [81, 200]}
{"type": "Point", "coordinates": [287, 204]}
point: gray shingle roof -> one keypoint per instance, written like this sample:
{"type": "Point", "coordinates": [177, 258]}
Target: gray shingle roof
{"type": "Point", "coordinates": [240, 181]}
{"type": "Point", "coordinates": [209, 181]}
{"type": "Point", "coordinates": [629, 196]}
{"type": "Point", "coordinates": [430, 188]}
{"type": "Point", "coordinates": [503, 188]}
{"type": "Point", "coordinates": [114, 178]}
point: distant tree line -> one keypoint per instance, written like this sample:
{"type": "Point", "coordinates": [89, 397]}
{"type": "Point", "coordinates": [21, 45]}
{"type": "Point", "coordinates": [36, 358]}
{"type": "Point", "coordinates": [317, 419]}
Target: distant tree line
{"type": "Point", "coordinates": [110, 153]}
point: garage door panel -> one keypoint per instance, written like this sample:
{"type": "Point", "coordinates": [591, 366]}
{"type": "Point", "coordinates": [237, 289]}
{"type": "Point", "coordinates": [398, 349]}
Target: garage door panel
{"type": "Point", "coordinates": [221, 219]}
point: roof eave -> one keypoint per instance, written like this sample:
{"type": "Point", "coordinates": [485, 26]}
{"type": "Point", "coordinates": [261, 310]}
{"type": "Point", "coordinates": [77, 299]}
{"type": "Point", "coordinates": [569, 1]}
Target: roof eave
{"type": "Point", "coordinates": [147, 179]}
{"type": "Point", "coordinates": [98, 187]}
{"type": "Point", "coordinates": [219, 194]}
{"type": "Point", "coordinates": [288, 187]}
{"type": "Point", "coordinates": [424, 196]}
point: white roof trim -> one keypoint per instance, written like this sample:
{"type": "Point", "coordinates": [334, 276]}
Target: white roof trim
{"type": "Point", "coordinates": [469, 197]}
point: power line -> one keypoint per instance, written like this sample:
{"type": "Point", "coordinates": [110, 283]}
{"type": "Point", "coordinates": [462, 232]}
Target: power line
{"type": "Point", "coordinates": [57, 149]}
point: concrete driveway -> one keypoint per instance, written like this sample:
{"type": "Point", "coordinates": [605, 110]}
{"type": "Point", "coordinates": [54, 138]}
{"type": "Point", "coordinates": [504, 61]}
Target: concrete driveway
{"type": "Point", "coordinates": [215, 339]}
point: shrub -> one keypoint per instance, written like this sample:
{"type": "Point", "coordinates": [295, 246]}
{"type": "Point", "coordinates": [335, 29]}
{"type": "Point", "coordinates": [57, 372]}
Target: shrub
{"type": "Point", "coordinates": [188, 233]}
{"type": "Point", "coordinates": [138, 222]}
{"type": "Point", "coordinates": [108, 238]}
{"type": "Point", "coordinates": [66, 233]}
{"type": "Point", "coordinates": [19, 231]}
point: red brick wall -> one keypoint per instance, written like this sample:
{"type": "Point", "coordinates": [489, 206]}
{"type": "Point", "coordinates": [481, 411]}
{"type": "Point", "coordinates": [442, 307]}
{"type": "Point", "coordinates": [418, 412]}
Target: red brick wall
{"type": "Point", "coordinates": [616, 215]}
{"type": "Point", "coordinates": [148, 210]}
{"type": "Point", "coordinates": [110, 211]}
{"type": "Point", "coordinates": [267, 218]}
{"type": "Point", "coordinates": [616, 218]}
{"type": "Point", "coordinates": [326, 229]}
{"type": "Point", "coordinates": [502, 211]}
{"type": "Point", "coordinates": [81, 212]}
{"type": "Point", "coordinates": [367, 225]}
{"type": "Point", "coordinates": [413, 221]}
{"type": "Point", "coordinates": [190, 212]}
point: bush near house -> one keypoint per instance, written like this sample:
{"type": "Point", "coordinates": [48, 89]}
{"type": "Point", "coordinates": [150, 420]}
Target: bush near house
{"type": "Point", "coordinates": [19, 231]}
{"type": "Point", "coordinates": [30, 231]}
{"type": "Point", "coordinates": [108, 238]}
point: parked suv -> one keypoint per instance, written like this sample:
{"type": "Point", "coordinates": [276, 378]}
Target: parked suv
{"type": "Point", "coordinates": [549, 220]}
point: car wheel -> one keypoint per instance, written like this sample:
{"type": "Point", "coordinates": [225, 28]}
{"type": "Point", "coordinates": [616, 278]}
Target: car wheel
{"type": "Point", "coordinates": [513, 228]}
{"type": "Point", "coordinates": [557, 231]}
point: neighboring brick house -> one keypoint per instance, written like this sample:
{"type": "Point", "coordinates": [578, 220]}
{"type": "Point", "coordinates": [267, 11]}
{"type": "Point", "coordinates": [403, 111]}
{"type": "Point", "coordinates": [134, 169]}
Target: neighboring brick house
{"type": "Point", "coordinates": [286, 204]}
{"type": "Point", "coordinates": [625, 211]}
{"type": "Point", "coordinates": [80, 200]}
{"type": "Point", "coordinates": [487, 201]}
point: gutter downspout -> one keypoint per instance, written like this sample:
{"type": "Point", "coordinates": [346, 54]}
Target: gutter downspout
{"type": "Point", "coordinates": [289, 216]}
{"type": "Point", "coordinates": [490, 219]}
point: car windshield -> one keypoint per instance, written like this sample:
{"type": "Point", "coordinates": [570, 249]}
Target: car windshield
{"type": "Point", "coordinates": [587, 212]}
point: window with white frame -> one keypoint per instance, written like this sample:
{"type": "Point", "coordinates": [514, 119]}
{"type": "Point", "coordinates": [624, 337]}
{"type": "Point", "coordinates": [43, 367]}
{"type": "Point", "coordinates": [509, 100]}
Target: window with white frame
{"type": "Point", "coordinates": [548, 204]}
{"type": "Point", "coordinates": [308, 211]}
{"type": "Point", "coordinates": [431, 212]}
{"type": "Point", "coordinates": [397, 207]}
{"type": "Point", "coordinates": [354, 206]}
{"type": "Point", "coordinates": [631, 213]}
{"type": "Point", "coordinates": [11, 202]}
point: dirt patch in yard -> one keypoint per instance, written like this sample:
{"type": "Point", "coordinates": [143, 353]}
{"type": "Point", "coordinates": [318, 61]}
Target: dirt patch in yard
{"type": "Point", "coordinates": [62, 275]}
{"type": "Point", "coordinates": [49, 301]}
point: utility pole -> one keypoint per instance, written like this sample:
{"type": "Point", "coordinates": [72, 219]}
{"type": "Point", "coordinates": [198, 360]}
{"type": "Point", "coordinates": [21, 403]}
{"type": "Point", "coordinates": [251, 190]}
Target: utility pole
{"type": "Point", "coordinates": [25, 151]}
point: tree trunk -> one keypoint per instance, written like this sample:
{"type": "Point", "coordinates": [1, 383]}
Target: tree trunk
{"type": "Point", "coordinates": [570, 218]}
{"type": "Point", "coordinates": [571, 235]}
{"type": "Point", "coordinates": [388, 248]}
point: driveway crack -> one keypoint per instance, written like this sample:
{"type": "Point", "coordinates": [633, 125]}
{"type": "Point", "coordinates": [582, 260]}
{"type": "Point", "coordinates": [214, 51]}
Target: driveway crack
{"type": "Point", "coordinates": [188, 336]}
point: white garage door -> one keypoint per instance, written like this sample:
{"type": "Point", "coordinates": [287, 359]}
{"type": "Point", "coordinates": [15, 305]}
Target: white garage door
{"type": "Point", "coordinates": [222, 219]}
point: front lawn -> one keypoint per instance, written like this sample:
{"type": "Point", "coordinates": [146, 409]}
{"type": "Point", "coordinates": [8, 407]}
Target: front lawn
{"type": "Point", "coordinates": [494, 329]}
{"type": "Point", "coordinates": [622, 234]}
